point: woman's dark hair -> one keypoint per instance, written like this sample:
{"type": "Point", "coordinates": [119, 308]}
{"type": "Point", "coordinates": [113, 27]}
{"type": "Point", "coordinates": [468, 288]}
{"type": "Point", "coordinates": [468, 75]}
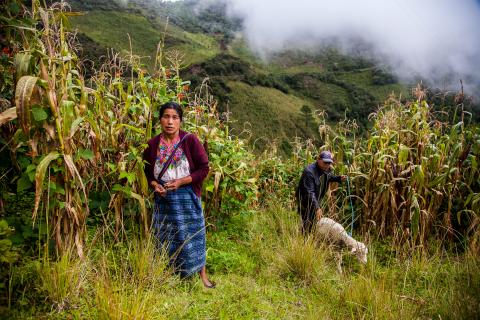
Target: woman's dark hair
{"type": "Point", "coordinates": [172, 105]}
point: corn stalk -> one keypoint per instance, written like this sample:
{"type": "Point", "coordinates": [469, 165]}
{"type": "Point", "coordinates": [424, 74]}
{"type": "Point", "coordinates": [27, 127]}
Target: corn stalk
{"type": "Point", "coordinates": [414, 175]}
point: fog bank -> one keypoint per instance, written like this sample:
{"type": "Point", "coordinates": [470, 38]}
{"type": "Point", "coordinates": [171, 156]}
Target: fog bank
{"type": "Point", "coordinates": [435, 39]}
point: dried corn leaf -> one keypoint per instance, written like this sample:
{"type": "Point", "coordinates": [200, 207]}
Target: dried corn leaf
{"type": "Point", "coordinates": [23, 94]}
{"type": "Point", "coordinates": [8, 115]}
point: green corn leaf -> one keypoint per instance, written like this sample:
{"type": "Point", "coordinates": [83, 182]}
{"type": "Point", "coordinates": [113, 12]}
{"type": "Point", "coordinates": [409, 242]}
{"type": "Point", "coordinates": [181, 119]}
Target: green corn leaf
{"type": "Point", "coordinates": [75, 125]}
{"type": "Point", "coordinates": [95, 127]}
{"type": "Point", "coordinates": [419, 174]}
{"type": "Point", "coordinates": [67, 108]}
{"type": "Point", "coordinates": [23, 184]}
{"type": "Point", "coordinates": [39, 114]}
{"type": "Point", "coordinates": [128, 103]}
{"type": "Point", "coordinates": [137, 130]}
{"type": "Point", "coordinates": [403, 154]}
{"type": "Point", "coordinates": [85, 154]}
{"type": "Point", "coordinates": [22, 64]}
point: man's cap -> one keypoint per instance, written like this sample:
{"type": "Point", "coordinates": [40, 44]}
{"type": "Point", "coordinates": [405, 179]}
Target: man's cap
{"type": "Point", "coordinates": [326, 156]}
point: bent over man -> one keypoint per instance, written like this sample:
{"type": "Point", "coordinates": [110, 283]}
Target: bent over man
{"type": "Point", "coordinates": [312, 187]}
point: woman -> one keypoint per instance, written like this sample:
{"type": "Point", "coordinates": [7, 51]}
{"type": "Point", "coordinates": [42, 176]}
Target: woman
{"type": "Point", "coordinates": [178, 216]}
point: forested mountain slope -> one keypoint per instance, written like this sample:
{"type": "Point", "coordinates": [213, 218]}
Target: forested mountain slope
{"type": "Point", "coordinates": [274, 100]}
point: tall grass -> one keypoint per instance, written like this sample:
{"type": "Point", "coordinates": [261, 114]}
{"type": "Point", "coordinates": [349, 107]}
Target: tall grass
{"type": "Point", "coordinates": [438, 285]}
{"type": "Point", "coordinates": [111, 282]}
{"type": "Point", "coordinates": [291, 277]}
{"type": "Point", "coordinates": [129, 289]}
{"type": "Point", "coordinates": [63, 281]}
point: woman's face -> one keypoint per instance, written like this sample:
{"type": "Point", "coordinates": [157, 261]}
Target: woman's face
{"type": "Point", "coordinates": [170, 122]}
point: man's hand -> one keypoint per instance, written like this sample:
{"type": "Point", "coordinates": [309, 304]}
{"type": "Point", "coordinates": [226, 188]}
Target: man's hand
{"type": "Point", "coordinates": [344, 177]}
{"type": "Point", "coordinates": [319, 214]}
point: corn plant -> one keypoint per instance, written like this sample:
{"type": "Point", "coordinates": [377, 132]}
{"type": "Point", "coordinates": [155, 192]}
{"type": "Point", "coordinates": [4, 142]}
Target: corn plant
{"type": "Point", "coordinates": [231, 185]}
{"type": "Point", "coordinates": [47, 104]}
{"type": "Point", "coordinates": [278, 177]}
{"type": "Point", "coordinates": [413, 174]}
{"type": "Point", "coordinates": [84, 139]}
{"type": "Point", "coordinates": [77, 135]}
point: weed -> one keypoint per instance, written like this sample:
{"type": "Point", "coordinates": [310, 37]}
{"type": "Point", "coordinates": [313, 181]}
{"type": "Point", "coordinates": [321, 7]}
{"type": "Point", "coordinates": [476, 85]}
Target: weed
{"type": "Point", "coordinates": [63, 281]}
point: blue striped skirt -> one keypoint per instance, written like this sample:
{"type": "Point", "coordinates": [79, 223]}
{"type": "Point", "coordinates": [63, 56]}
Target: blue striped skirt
{"type": "Point", "coordinates": [179, 226]}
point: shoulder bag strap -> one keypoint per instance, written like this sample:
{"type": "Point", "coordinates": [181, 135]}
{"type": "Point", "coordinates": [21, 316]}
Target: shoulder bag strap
{"type": "Point", "coordinates": [170, 158]}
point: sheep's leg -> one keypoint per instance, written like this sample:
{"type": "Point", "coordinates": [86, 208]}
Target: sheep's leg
{"type": "Point", "coordinates": [339, 258]}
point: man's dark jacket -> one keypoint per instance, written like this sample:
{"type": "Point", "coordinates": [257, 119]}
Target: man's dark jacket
{"type": "Point", "coordinates": [311, 189]}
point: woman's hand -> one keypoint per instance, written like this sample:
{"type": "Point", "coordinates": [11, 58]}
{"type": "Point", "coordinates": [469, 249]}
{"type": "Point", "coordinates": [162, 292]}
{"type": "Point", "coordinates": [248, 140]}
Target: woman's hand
{"type": "Point", "coordinates": [173, 185]}
{"type": "Point", "coordinates": [159, 189]}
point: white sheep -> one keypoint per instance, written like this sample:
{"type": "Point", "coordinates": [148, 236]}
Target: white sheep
{"type": "Point", "coordinates": [335, 233]}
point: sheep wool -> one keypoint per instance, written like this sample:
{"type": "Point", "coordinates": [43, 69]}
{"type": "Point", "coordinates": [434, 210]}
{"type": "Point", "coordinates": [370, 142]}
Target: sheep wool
{"type": "Point", "coordinates": [334, 232]}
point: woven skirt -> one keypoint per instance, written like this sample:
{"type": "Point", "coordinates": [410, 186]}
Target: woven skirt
{"type": "Point", "coordinates": [179, 227]}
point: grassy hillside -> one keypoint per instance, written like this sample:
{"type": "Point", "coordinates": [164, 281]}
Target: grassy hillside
{"type": "Point", "coordinates": [112, 29]}
{"type": "Point", "coordinates": [268, 115]}
{"type": "Point", "coordinates": [252, 89]}
{"type": "Point", "coordinates": [366, 80]}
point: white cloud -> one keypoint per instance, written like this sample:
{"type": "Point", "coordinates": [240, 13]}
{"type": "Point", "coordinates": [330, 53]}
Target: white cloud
{"type": "Point", "coordinates": [432, 38]}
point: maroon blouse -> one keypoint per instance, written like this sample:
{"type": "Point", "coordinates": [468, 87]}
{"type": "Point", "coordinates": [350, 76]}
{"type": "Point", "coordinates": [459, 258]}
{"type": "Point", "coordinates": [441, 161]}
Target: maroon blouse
{"type": "Point", "coordinates": [195, 153]}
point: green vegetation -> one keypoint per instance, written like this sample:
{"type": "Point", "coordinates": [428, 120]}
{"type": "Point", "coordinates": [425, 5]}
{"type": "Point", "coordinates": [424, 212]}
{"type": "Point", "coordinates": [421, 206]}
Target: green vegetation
{"type": "Point", "coordinates": [374, 82]}
{"type": "Point", "coordinates": [324, 79]}
{"type": "Point", "coordinates": [87, 252]}
{"type": "Point", "coordinates": [264, 269]}
{"type": "Point", "coordinates": [267, 115]}
{"type": "Point", "coordinates": [114, 30]}
{"type": "Point", "coordinates": [328, 81]}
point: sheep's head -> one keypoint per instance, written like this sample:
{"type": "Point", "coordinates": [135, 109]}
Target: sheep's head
{"type": "Point", "coordinates": [360, 250]}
